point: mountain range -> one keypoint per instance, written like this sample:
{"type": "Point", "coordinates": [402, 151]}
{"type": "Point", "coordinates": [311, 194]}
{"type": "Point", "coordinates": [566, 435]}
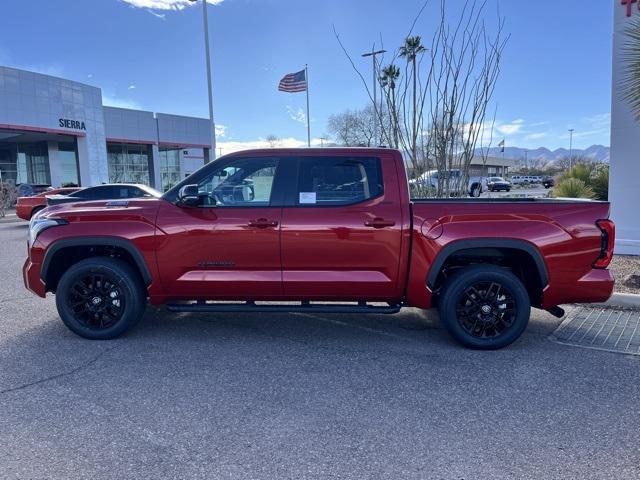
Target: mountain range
{"type": "Point", "coordinates": [597, 153]}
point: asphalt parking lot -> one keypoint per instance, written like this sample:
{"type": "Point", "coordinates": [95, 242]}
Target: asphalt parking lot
{"type": "Point", "coordinates": [302, 396]}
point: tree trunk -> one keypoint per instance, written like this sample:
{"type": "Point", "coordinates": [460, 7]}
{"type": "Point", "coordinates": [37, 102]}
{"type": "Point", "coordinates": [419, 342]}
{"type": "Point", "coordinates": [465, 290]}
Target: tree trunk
{"type": "Point", "coordinates": [414, 136]}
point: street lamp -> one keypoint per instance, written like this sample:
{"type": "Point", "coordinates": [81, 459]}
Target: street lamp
{"type": "Point", "coordinates": [212, 126]}
{"type": "Point", "coordinates": [571, 130]}
{"type": "Point", "coordinates": [373, 54]}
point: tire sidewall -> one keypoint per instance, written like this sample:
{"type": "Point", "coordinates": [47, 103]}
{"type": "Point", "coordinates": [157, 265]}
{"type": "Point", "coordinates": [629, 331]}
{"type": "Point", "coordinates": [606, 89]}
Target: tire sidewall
{"type": "Point", "coordinates": [123, 276]}
{"type": "Point", "coordinates": [455, 287]}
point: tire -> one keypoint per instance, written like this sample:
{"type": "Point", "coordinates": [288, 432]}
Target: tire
{"type": "Point", "coordinates": [509, 307]}
{"type": "Point", "coordinates": [109, 280]}
{"type": "Point", "coordinates": [508, 189]}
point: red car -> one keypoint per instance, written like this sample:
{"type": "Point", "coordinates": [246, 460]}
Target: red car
{"type": "Point", "coordinates": [333, 230]}
{"type": "Point", "coordinates": [27, 207]}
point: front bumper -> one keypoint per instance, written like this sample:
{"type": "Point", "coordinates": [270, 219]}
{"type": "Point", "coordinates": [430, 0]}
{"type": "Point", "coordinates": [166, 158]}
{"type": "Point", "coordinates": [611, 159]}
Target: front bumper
{"type": "Point", "coordinates": [31, 277]}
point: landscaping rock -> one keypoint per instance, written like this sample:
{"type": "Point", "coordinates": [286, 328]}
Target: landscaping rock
{"type": "Point", "coordinates": [632, 281]}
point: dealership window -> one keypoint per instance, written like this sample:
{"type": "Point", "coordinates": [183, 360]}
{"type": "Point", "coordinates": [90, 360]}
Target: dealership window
{"type": "Point", "coordinates": [169, 168]}
{"type": "Point", "coordinates": [128, 163]}
{"type": "Point", "coordinates": [68, 164]}
{"type": "Point", "coordinates": [32, 165]}
{"type": "Point", "coordinates": [8, 162]}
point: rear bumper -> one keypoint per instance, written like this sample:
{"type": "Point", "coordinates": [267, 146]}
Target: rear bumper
{"type": "Point", "coordinates": [31, 277]}
{"type": "Point", "coordinates": [596, 286]}
{"type": "Point", "coordinates": [24, 211]}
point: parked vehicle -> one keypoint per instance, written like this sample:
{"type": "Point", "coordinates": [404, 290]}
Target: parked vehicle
{"type": "Point", "coordinates": [31, 189]}
{"type": "Point", "coordinates": [453, 179]}
{"type": "Point", "coordinates": [322, 225]}
{"type": "Point", "coordinates": [548, 182]}
{"type": "Point", "coordinates": [526, 179]}
{"type": "Point", "coordinates": [495, 184]}
{"type": "Point", "coordinates": [27, 207]}
{"type": "Point", "coordinates": [111, 191]}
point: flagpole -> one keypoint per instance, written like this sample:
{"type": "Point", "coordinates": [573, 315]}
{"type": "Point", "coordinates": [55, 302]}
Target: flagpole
{"type": "Point", "coordinates": [306, 75]}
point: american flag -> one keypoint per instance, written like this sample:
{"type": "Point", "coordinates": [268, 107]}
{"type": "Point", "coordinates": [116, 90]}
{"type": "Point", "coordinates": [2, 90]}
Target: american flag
{"type": "Point", "coordinates": [293, 82]}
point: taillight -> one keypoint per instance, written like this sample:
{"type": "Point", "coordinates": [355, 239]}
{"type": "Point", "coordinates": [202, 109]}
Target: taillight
{"type": "Point", "coordinates": [608, 229]}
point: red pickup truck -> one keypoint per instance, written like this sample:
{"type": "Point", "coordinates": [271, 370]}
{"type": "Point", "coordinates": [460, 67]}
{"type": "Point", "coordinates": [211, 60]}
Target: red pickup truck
{"type": "Point", "coordinates": [324, 230]}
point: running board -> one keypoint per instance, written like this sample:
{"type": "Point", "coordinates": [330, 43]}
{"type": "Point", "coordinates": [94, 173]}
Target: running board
{"type": "Point", "coordinates": [279, 308]}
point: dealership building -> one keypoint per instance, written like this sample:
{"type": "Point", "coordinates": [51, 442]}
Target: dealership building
{"type": "Point", "coordinates": [624, 184]}
{"type": "Point", "coordinates": [57, 132]}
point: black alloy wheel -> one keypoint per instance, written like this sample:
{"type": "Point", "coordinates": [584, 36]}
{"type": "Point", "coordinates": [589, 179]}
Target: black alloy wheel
{"type": "Point", "coordinates": [96, 300]}
{"type": "Point", "coordinates": [484, 307]}
{"type": "Point", "coordinates": [100, 298]}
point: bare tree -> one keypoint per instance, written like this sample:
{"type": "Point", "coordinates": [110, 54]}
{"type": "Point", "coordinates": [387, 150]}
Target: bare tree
{"type": "Point", "coordinates": [437, 109]}
{"type": "Point", "coordinates": [354, 127]}
{"type": "Point", "coordinates": [273, 140]}
{"type": "Point", "coordinates": [8, 196]}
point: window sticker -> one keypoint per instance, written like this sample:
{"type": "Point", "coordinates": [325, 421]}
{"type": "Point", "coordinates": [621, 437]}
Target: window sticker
{"type": "Point", "coordinates": [307, 198]}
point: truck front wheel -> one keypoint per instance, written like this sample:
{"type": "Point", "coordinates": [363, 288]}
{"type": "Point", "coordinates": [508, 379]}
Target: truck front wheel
{"type": "Point", "coordinates": [100, 298]}
{"type": "Point", "coordinates": [485, 307]}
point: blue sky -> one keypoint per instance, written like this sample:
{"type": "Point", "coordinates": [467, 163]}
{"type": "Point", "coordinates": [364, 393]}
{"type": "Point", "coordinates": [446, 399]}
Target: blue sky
{"type": "Point", "coordinates": [149, 54]}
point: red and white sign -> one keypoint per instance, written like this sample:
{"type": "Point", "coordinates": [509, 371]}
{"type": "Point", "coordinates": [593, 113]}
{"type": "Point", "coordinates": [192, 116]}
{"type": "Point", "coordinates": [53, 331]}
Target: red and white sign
{"type": "Point", "coordinates": [629, 5]}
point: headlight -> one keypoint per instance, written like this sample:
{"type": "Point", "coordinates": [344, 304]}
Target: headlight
{"type": "Point", "coordinates": [39, 225]}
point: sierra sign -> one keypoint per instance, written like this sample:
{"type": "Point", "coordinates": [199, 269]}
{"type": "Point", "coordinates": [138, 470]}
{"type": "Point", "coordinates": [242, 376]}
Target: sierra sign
{"type": "Point", "coordinates": [75, 124]}
{"type": "Point", "coordinates": [629, 5]}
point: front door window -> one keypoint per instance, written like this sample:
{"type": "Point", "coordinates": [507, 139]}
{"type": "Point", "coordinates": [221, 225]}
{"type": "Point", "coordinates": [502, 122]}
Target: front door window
{"type": "Point", "coordinates": [247, 182]}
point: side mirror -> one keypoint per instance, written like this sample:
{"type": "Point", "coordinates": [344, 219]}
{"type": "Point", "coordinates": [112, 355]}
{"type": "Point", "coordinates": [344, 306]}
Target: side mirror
{"type": "Point", "coordinates": [188, 195]}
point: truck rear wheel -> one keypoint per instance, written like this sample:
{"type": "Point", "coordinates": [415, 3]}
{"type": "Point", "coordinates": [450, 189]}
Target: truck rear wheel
{"type": "Point", "coordinates": [485, 307]}
{"type": "Point", "coordinates": [100, 298]}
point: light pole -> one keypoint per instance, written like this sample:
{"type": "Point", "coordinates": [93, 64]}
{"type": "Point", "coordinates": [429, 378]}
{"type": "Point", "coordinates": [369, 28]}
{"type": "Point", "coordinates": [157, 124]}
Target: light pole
{"type": "Point", "coordinates": [212, 125]}
{"type": "Point", "coordinates": [373, 54]}
{"type": "Point", "coordinates": [571, 130]}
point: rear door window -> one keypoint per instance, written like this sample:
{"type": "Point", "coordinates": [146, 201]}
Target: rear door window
{"type": "Point", "coordinates": [329, 181]}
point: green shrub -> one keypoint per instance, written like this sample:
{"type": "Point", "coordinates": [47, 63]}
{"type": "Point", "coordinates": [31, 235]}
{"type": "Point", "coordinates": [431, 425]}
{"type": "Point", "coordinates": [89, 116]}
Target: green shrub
{"type": "Point", "coordinates": [573, 188]}
{"type": "Point", "coordinates": [592, 182]}
{"type": "Point", "coordinates": [599, 182]}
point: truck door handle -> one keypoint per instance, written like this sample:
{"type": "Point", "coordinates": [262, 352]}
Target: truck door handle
{"type": "Point", "coordinates": [263, 223]}
{"type": "Point", "coordinates": [379, 223]}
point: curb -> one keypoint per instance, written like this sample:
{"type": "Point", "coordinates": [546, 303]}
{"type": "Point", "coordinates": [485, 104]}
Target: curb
{"type": "Point", "coordinates": [623, 300]}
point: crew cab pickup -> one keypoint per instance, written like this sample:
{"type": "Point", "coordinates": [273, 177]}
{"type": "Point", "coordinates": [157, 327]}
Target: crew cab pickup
{"type": "Point", "coordinates": [324, 230]}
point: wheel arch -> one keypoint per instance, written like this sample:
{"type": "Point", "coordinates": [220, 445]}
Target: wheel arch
{"type": "Point", "coordinates": [96, 246]}
{"type": "Point", "coordinates": [490, 249]}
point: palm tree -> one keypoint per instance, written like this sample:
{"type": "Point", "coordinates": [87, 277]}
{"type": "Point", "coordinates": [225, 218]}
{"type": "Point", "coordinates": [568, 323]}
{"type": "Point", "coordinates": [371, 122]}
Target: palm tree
{"type": "Point", "coordinates": [410, 50]}
{"type": "Point", "coordinates": [388, 78]}
{"type": "Point", "coordinates": [631, 78]}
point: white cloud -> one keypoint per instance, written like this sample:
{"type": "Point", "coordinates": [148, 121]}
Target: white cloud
{"type": "Point", "coordinates": [115, 101]}
{"type": "Point", "coordinates": [510, 128]}
{"type": "Point", "coordinates": [132, 87]}
{"type": "Point", "coordinates": [297, 115]}
{"type": "Point", "coordinates": [536, 136]}
{"type": "Point", "coordinates": [235, 146]}
{"type": "Point", "coordinates": [161, 16]}
{"type": "Point", "coordinates": [221, 130]}
{"type": "Point", "coordinates": [601, 120]}
{"type": "Point", "coordinates": [166, 4]}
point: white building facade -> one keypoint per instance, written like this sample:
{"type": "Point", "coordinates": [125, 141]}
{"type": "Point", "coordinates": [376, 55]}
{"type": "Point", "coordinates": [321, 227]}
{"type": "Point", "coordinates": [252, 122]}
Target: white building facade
{"type": "Point", "coordinates": [57, 132]}
{"type": "Point", "coordinates": [624, 183]}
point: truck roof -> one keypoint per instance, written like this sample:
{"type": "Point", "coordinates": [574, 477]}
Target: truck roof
{"type": "Point", "coordinates": [312, 151]}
